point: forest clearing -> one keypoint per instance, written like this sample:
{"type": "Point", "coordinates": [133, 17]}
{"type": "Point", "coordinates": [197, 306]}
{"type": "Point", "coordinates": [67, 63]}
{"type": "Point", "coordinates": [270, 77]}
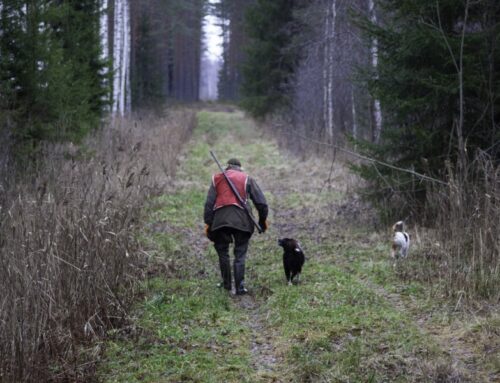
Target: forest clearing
{"type": "Point", "coordinates": [351, 319]}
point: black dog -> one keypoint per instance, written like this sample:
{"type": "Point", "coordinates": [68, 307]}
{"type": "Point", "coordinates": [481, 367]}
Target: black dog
{"type": "Point", "coordinates": [293, 258]}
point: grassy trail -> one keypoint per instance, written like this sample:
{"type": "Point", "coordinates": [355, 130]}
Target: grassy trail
{"type": "Point", "coordinates": [339, 325]}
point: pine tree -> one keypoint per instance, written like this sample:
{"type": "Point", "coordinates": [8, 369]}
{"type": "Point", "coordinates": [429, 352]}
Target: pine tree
{"type": "Point", "coordinates": [150, 38]}
{"type": "Point", "coordinates": [270, 57]}
{"type": "Point", "coordinates": [232, 15]}
{"type": "Point", "coordinates": [166, 48]}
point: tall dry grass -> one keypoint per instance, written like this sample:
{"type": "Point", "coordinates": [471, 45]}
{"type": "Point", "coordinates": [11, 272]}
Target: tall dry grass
{"type": "Point", "coordinates": [468, 216]}
{"type": "Point", "coordinates": [462, 250]}
{"type": "Point", "coordinates": [69, 253]}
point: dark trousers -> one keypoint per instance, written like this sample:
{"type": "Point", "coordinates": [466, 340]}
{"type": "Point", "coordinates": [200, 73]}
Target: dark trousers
{"type": "Point", "coordinates": [222, 238]}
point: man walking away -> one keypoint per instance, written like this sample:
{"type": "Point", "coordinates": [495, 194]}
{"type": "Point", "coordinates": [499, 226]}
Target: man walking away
{"type": "Point", "coordinates": [227, 221]}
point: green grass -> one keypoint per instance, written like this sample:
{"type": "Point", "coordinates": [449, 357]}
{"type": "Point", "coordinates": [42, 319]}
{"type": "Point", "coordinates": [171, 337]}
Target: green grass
{"type": "Point", "coordinates": [295, 200]}
{"type": "Point", "coordinates": [180, 209]}
{"type": "Point", "coordinates": [333, 327]}
{"type": "Point", "coordinates": [190, 333]}
{"type": "Point", "coordinates": [330, 328]}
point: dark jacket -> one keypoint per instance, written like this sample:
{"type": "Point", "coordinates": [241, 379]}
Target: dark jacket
{"type": "Point", "coordinates": [234, 216]}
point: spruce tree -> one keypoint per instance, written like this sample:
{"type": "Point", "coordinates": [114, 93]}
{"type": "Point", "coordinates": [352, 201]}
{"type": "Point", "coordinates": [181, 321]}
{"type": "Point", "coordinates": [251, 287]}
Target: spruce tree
{"type": "Point", "coordinates": [438, 81]}
{"type": "Point", "coordinates": [79, 36]}
{"type": "Point", "coordinates": [270, 57]}
{"type": "Point", "coordinates": [51, 71]}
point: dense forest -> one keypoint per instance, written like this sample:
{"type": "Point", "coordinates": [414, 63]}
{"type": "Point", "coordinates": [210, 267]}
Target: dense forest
{"type": "Point", "coordinates": [406, 93]}
{"type": "Point", "coordinates": [65, 65]}
{"type": "Point", "coordinates": [366, 70]}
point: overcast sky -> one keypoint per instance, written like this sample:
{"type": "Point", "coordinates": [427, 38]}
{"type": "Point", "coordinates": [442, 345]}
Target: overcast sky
{"type": "Point", "coordinates": [213, 38]}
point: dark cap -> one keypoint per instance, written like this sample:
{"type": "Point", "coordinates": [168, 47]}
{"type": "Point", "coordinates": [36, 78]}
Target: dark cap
{"type": "Point", "coordinates": [234, 161]}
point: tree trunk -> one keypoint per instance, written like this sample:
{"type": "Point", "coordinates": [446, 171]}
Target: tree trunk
{"type": "Point", "coordinates": [377, 110]}
{"type": "Point", "coordinates": [103, 36]}
{"type": "Point", "coordinates": [126, 59]}
{"type": "Point", "coordinates": [103, 22]}
{"type": "Point", "coordinates": [460, 125]}
{"type": "Point", "coordinates": [331, 42]}
{"type": "Point", "coordinates": [354, 122]}
{"type": "Point", "coordinates": [328, 68]}
{"type": "Point", "coordinates": [121, 58]}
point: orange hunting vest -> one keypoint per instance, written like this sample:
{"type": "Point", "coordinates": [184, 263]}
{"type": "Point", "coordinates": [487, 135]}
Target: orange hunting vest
{"type": "Point", "coordinates": [225, 195]}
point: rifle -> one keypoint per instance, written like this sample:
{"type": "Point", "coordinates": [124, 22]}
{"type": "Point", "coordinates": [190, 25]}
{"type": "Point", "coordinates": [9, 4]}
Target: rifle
{"type": "Point", "coordinates": [236, 194]}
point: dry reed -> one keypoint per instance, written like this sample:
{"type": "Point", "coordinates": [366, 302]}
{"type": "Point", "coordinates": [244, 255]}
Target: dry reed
{"type": "Point", "coordinates": [462, 250]}
{"type": "Point", "coordinates": [69, 253]}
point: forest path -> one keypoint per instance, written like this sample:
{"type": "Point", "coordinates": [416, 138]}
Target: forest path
{"type": "Point", "coordinates": [343, 323]}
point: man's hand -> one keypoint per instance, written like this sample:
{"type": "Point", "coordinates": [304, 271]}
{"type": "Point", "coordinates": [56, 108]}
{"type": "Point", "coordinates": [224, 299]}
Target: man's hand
{"type": "Point", "coordinates": [263, 225]}
{"type": "Point", "coordinates": [207, 231]}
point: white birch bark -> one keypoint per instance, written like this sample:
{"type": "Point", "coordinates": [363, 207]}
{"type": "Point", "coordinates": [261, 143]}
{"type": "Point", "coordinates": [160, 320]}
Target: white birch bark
{"type": "Point", "coordinates": [354, 122]}
{"type": "Point", "coordinates": [117, 47]}
{"type": "Point", "coordinates": [377, 110]}
{"type": "Point", "coordinates": [126, 58]}
{"type": "Point", "coordinates": [103, 23]}
{"type": "Point", "coordinates": [23, 17]}
{"type": "Point", "coordinates": [103, 36]}
{"type": "Point", "coordinates": [331, 40]}
{"type": "Point", "coordinates": [121, 58]}
{"type": "Point", "coordinates": [328, 52]}
{"type": "Point", "coordinates": [326, 55]}
{"type": "Point", "coordinates": [460, 126]}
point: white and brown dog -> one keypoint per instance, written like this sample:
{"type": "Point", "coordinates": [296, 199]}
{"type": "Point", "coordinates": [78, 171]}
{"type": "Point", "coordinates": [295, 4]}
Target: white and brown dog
{"type": "Point", "coordinates": [400, 241]}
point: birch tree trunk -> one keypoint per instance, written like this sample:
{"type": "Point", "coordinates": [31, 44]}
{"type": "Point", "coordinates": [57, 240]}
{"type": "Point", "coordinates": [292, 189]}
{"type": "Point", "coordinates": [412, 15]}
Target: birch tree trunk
{"type": "Point", "coordinates": [121, 58]}
{"type": "Point", "coordinates": [326, 55]}
{"type": "Point", "coordinates": [126, 58]}
{"type": "Point", "coordinates": [460, 125]}
{"type": "Point", "coordinates": [354, 122]}
{"type": "Point", "coordinates": [103, 22]}
{"type": "Point", "coordinates": [117, 54]}
{"type": "Point", "coordinates": [331, 15]}
{"type": "Point", "coordinates": [377, 111]}
{"type": "Point", "coordinates": [104, 38]}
